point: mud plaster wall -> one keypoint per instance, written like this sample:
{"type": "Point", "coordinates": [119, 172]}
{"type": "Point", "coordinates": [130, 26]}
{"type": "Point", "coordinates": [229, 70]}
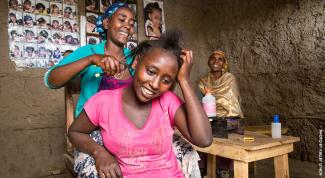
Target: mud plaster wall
{"type": "Point", "coordinates": [276, 49]}
{"type": "Point", "coordinates": [32, 128]}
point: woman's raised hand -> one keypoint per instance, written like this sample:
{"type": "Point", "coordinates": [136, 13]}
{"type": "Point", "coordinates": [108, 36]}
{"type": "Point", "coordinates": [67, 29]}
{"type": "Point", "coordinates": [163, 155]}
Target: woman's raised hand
{"type": "Point", "coordinates": [184, 72]}
{"type": "Point", "coordinates": [107, 165]}
{"type": "Point", "coordinates": [108, 63]}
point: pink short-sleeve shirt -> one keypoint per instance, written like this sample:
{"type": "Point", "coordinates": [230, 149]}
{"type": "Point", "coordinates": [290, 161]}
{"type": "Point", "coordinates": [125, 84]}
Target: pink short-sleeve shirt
{"type": "Point", "coordinates": [145, 152]}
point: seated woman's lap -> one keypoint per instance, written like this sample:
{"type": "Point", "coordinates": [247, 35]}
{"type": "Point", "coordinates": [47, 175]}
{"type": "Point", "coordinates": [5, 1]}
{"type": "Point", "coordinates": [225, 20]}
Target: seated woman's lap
{"type": "Point", "coordinates": [187, 157]}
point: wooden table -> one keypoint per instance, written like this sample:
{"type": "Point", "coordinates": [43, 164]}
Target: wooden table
{"type": "Point", "coordinates": [263, 129]}
{"type": "Point", "coordinates": [244, 152]}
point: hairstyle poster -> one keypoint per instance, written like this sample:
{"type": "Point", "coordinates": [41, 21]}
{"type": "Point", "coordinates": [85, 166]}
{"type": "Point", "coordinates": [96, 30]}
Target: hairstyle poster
{"type": "Point", "coordinates": [93, 40]}
{"type": "Point", "coordinates": [91, 21]}
{"type": "Point", "coordinates": [154, 21]}
{"type": "Point", "coordinates": [104, 4]}
{"type": "Point", "coordinates": [92, 5]}
{"type": "Point", "coordinates": [40, 31]}
{"type": "Point", "coordinates": [133, 41]}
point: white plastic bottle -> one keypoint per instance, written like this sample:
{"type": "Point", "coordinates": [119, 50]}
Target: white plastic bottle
{"type": "Point", "coordinates": [276, 127]}
{"type": "Point", "coordinates": [209, 105]}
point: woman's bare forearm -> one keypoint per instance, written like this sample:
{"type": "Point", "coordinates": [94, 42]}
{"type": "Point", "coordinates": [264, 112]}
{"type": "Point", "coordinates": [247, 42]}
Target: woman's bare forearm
{"type": "Point", "coordinates": [199, 128]}
{"type": "Point", "coordinates": [79, 136]}
{"type": "Point", "coordinates": [62, 74]}
{"type": "Point", "coordinates": [85, 144]}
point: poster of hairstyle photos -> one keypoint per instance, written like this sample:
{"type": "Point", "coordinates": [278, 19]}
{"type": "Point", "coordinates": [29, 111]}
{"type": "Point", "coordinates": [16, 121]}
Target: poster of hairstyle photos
{"type": "Point", "coordinates": [133, 41]}
{"type": "Point", "coordinates": [91, 21]}
{"type": "Point", "coordinates": [104, 4]}
{"type": "Point", "coordinates": [40, 31]}
{"type": "Point", "coordinates": [153, 18]}
{"type": "Point", "coordinates": [93, 39]}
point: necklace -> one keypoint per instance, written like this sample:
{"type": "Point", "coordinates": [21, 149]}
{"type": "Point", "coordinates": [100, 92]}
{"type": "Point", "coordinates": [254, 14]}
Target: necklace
{"type": "Point", "coordinates": [120, 75]}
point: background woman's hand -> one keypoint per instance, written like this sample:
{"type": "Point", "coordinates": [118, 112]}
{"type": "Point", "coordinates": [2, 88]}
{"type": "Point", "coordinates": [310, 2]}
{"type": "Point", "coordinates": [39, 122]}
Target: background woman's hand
{"type": "Point", "coordinates": [107, 166]}
{"type": "Point", "coordinates": [184, 72]}
{"type": "Point", "coordinates": [108, 63]}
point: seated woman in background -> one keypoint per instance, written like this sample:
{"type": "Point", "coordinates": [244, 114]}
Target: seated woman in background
{"type": "Point", "coordinates": [223, 86]}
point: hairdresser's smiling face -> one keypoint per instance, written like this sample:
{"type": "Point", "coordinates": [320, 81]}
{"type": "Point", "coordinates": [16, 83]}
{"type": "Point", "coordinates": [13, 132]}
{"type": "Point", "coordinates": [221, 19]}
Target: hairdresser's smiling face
{"type": "Point", "coordinates": [155, 74]}
{"type": "Point", "coordinates": [121, 26]}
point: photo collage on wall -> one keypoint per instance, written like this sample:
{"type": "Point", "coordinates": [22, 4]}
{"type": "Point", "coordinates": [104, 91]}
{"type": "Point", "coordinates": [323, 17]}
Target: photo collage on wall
{"type": "Point", "coordinates": [40, 31]}
{"type": "Point", "coordinates": [154, 20]}
{"type": "Point", "coordinates": [95, 8]}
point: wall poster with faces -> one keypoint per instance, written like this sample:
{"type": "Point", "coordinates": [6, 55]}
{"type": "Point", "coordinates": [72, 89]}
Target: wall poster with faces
{"type": "Point", "coordinates": [40, 31]}
{"type": "Point", "coordinates": [95, 8]}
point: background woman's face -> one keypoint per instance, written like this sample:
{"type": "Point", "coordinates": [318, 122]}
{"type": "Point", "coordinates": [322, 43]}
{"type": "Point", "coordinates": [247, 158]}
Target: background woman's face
{"type": "Point", "coordinates": [156, 18]}
{"type": "Point", "coordinates": [216, 63]}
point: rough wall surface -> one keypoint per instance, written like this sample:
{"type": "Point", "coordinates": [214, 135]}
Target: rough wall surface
{"type": "Point", "coordinates": [276, 49]}
{"type": "Point", "coordinates": [32, 129]}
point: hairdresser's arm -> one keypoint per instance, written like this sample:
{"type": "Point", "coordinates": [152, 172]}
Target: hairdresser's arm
{"type": "Point", "coordinates": [62, 74]}
{"type": "Point", "coordinates": [191, 119]}
{"type": "Point", "coordinates": [79, 136]}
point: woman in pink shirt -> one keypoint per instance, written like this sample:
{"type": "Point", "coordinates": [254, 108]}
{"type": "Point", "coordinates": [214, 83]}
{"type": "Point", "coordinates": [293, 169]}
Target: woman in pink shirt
{"type": "Point", "coordinates": [137, 121]}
